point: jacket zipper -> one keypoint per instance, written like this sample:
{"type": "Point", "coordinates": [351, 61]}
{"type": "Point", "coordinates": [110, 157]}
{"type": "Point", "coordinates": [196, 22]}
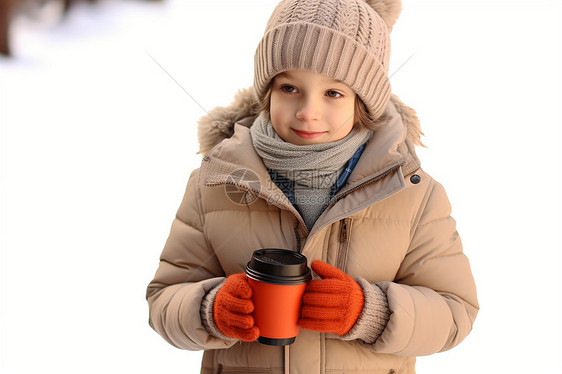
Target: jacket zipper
{"type": "Point", "coordinates": [345, 227]}
{"type": "Point", "coordinates": [343, 231]}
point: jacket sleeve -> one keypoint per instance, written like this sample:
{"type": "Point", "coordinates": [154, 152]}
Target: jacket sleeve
{"type": "Point", "coordinates": [188, 270]}
{"type": "Point", "coordinates": [432, 301]}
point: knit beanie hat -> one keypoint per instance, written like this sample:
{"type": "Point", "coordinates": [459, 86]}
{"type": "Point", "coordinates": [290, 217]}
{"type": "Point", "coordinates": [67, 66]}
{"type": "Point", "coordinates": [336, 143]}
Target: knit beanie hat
{"type": "Point", "coordinates": [347, 40]}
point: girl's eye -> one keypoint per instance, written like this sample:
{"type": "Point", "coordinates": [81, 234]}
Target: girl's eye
{"type": "Point", "coordinates": [289, 89]}
{"type": "Point", "coordinates": [334, 94]}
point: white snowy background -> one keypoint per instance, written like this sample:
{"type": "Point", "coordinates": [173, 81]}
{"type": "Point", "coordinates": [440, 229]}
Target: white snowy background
{"type": "Point", "coordinates": [97, 142]}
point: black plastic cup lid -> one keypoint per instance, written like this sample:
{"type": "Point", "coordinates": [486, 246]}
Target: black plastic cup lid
{"type": "Point", "coordinates": [278, 266]}
{"type": "Point", "coordinates": [276, 342]}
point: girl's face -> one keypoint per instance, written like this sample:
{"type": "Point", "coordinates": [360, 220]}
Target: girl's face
{"type": "Point", "coordinates": [311, 108]}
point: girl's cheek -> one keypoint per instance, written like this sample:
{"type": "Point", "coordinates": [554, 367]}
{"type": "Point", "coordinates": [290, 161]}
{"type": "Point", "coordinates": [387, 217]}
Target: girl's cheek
{"type": "Point", "coordinates": [275, 119]}
{"type": "Point", "coordinates": [274, 102]}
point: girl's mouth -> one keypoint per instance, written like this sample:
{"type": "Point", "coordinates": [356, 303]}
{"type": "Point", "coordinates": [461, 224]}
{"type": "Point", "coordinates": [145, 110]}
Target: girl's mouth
{"type": "Point", "coordinates": [307, 134]}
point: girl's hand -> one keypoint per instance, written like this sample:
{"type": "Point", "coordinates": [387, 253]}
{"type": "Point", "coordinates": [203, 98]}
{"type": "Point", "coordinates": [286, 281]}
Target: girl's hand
{"type": "Point", "coordinates": [233, 307]}
{"type": "Point", "coordinates": [331, 304]}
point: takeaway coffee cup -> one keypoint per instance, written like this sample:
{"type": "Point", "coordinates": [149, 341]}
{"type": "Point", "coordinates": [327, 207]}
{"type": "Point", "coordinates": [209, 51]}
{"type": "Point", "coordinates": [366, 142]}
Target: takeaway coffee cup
{"type": "Point", "coordinates": [278, 278]}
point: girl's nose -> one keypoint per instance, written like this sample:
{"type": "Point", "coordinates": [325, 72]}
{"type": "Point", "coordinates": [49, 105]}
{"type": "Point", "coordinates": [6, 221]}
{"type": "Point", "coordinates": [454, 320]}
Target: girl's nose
{"type": "Point", "coordinates": [309, 111]}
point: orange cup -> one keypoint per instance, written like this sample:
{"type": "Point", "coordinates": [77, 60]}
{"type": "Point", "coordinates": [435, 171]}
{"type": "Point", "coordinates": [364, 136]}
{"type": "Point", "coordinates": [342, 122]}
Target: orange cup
{"type": "Point", "coordinates": [278, 278]}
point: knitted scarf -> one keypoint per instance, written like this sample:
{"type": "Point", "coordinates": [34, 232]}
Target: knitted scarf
{"type": "Point", "coordinates": [314, 169]}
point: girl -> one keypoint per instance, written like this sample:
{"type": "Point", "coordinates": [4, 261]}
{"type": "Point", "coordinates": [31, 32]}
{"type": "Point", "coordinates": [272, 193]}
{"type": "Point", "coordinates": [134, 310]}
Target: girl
{"type": "Point", "coordinates": [318, 157]}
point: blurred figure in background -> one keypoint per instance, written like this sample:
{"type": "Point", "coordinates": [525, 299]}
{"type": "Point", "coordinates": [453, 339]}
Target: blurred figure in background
{"type": "Point", "coordinates": [35, 9]}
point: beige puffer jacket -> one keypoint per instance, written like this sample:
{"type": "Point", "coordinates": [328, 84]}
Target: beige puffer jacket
{"type": "Point", "coordinates": [390, 224]}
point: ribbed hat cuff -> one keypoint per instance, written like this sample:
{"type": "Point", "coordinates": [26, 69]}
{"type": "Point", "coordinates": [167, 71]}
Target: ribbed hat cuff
{"type": "Point", "coordinates": [306, 46]}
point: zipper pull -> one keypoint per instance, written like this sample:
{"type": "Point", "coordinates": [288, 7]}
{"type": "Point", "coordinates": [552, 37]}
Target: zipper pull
{"type": "Point", "coordinates": [343, 231]}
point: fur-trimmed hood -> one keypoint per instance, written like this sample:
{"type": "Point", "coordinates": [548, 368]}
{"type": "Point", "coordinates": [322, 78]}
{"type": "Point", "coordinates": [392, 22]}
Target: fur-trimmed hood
{"type": "Point", "coordinates": [219, 123]}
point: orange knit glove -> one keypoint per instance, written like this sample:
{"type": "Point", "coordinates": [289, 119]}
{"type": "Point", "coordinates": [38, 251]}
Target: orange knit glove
{"type": "Point", "coordinates": [331, 304]}
{"type": "Point", "coordinates": [233, 307]}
